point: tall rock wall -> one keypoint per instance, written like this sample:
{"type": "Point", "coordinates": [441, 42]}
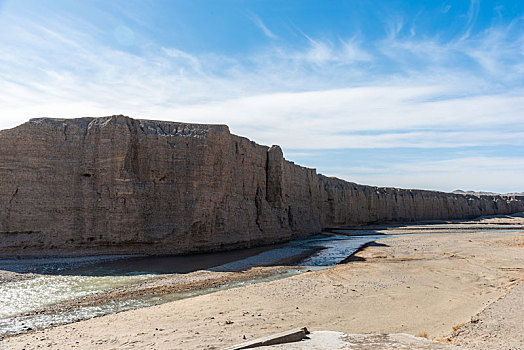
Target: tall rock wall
{"type": "Point", "coordinates": [119, 185]}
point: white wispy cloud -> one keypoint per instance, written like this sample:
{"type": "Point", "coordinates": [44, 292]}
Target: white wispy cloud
{"type": "Point", "coordinates": [352, 51]}
{"type": "Point", "coordinates": [397, 116]}
{"type": "Point", "coordinates": [345, 52]}
{"type": "Point", "coordinates": [394, 24]}
{"type": "Point", "coordinates": [473, 13]}
{"type": "Point", "coordinates": [258, 22]}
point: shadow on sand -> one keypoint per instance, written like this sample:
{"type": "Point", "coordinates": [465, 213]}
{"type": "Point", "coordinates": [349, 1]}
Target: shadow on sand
{"type": "Point", "coordinates": [354, 258]}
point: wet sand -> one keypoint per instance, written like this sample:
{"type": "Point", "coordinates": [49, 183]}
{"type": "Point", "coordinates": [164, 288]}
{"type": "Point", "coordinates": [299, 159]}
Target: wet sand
{"type": "Point", "coordinates": [411, 284]}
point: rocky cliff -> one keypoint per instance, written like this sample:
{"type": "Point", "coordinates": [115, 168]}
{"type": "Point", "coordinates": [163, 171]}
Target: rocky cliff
{"type": "Point", "coordinates": [115, 184]}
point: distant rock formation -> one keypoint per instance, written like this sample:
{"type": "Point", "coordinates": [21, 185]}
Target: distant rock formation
{"type": "Point", "coordinates": [119, 185]}
{"type": "Point", "coordinates": [483, 193]}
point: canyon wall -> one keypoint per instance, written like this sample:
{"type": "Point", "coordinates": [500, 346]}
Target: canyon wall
{"type": "Point", "coordinates": [119, 185]}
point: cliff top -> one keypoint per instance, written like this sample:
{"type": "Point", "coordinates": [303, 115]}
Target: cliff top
{"type": "Point", "coordinates": [142, 126]}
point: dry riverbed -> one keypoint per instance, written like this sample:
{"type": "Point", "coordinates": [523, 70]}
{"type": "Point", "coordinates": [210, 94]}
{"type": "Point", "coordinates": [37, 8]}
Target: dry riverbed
{"type": "Point", "coordinates": [422, 285]}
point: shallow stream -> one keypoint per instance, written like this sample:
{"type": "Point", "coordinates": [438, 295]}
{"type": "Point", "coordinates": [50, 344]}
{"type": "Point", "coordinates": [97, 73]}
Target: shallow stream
{"type": "Point", "coordinates": [54, 281]}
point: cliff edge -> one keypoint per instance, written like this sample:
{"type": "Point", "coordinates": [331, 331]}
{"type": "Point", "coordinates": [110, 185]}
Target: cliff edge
{"type": "Point", "coordinates": [119, 185]}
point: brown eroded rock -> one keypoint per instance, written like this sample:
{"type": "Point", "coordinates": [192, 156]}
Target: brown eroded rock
{"type": "Point", "coordinates": [119, 185]}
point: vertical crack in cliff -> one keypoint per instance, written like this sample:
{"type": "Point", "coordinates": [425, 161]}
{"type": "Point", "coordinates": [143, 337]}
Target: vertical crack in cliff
{"type": "Point", "coordinates": [259, 206]}
{"type": "Point", "coordinates": [13, 196]}
{"type": "Point", "coordinates": [267, 176]}
{"type": "Point", "coordinates": [131, 163]}
{"type": "Point", "coordinates": [9, 207]}
{"type": "Point", "coordinates": [290, 218]}
{"type": "Point", "coordinates": [65, 131]}
{"type": "Point", "coordinates": [274, 176]}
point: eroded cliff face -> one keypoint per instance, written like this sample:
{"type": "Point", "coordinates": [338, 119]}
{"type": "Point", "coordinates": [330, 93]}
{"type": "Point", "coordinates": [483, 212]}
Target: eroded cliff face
{"type": "Point", "coordinates": [115, 184]}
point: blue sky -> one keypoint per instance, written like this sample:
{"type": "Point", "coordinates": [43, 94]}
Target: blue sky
{"type": "Point", "coordinates": [419, 94]}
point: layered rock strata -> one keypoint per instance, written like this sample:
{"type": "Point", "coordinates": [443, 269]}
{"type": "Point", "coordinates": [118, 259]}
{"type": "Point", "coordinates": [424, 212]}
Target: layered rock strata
{"type": "Point", "coordinates": [115, 184]}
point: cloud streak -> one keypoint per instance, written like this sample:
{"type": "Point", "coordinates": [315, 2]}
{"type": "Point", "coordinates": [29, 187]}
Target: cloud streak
{"type": "Point", "coordinates": [473, 13]}
{"type": "Point", "coordinates": [258, 22]}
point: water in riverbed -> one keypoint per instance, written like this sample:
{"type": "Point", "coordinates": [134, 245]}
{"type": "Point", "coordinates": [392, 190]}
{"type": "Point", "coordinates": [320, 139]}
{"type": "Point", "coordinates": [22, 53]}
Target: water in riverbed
{"type": "Point", "coordinates": [60, 280]}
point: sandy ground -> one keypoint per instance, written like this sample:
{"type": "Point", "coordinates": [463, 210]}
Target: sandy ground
{"type": "Point", "coordinates": [420, 285]}
{"type": "Point", "coordinates": [500, 325]}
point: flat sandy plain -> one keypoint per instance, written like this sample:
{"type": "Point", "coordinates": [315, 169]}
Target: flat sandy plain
{"type": "Point", "coordinates": [465, 289]}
